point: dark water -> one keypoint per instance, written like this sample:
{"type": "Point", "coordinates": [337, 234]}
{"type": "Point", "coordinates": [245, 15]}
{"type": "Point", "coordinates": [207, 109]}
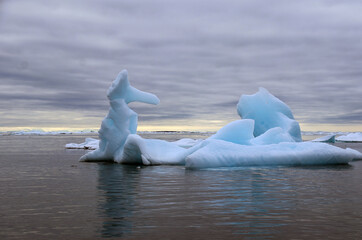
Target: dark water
{"type": "Point", "coordinates": [47, 194]}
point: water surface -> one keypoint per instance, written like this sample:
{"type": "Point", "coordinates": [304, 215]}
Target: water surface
{"type": "Point", "coordinates": [47, 194]}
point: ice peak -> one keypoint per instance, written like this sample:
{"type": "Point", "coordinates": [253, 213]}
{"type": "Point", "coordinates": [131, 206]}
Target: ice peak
{"type": "Point", "coordinates": [121, 89]}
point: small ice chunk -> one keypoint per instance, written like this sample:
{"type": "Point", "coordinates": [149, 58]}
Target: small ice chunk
{"type": "Point", "coordinates": [90, 143]}
{"type": "Point", "coordinates": [329, 138]}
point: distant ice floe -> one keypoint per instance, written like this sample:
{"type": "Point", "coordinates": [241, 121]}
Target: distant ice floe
{"type": "Point", "coordinates": [313, 133]}
{"type": "Point", "coordinates": [352, 137]}
{"type": "Point", "coordinates": [40, 132]}
{"type": "Point", "coordinates": [267, 134]}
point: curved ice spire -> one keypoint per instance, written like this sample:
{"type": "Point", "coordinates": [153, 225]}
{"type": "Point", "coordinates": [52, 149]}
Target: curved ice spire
{"type": "Point", "coordinates": [120, 120]}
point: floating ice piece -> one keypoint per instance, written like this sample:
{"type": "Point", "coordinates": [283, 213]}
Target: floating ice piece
{"type": "Point", "coordinates": [239, 131]}
{"type": "Point", "coordinates": [352, 137]}
{"type": "Point", "coordinates": [218, 153]}
{"type": "Point", "coordinates": [120, 121]}
{"type": "Point", "coordinates": [90, 143]}
{"type": "Point", "coordinates": [329, 138]}
{"type": "Point", "coordinates": [138, 150]}
{"type": "Point", "coordinates": [268, 112]}
{"type": "Point", "coordinates": [42, 132]}
{"type": "Point", "coordinates": [267, 135]}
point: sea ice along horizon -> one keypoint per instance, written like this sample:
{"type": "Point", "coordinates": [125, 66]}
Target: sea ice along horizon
{"type": "Point", "coordinates": [267, 134]}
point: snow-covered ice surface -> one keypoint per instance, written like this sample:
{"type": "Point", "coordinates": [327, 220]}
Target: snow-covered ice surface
{"type": "Point", "coordinates": [352, 137]}
{"type": "Point", "coordinates": [329, 138]}
{"type": "Point", "coordinates": [267, 134]}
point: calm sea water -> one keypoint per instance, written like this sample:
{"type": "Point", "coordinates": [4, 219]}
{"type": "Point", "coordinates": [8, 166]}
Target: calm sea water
{"type": "Point", "coordinates": [47, 194]}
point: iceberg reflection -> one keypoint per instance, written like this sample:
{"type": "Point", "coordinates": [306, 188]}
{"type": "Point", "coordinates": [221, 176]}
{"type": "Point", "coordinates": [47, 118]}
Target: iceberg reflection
{"type": "Point", "coordinates": [117, 187]}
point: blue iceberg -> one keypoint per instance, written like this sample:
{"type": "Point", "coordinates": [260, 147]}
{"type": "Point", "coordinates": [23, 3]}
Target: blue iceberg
{"type": "Point", "coordinates": [267, 134]}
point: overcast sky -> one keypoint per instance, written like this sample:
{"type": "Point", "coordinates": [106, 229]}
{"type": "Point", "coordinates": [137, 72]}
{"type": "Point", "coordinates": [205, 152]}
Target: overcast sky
{"type": "Point", "coordinates": [58, 58]}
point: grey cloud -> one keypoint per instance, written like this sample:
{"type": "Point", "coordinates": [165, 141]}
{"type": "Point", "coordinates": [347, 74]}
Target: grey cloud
{"type": "Point", "coordinates": [197, 56]}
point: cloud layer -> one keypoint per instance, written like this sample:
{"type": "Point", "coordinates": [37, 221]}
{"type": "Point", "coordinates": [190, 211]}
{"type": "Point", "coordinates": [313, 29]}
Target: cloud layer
{"type": "Point", "coordinates": [198, 57]}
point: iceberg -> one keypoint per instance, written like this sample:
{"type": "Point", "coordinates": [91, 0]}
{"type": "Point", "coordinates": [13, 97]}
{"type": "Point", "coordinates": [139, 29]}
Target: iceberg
{"type": "Point", "coordinates": [267, 134]}
{"type": "Point", "coordinates": [352, 137]}
{"type": "Point", "coordinates": [120, 121]}
{"type": "Point", "coordinates": [268, 112]}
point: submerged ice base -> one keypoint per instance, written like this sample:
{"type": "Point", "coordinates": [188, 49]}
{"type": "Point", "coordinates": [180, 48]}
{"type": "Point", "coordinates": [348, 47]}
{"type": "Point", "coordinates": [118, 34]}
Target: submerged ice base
{"type": "Point", "coordinates": [267, 134]}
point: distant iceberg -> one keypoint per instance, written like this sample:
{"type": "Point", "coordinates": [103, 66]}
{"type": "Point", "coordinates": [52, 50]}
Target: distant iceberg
{"type": "Point", "coordinates": [267, 134]}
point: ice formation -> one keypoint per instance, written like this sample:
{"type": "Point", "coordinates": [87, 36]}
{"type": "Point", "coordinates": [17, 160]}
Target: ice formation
{"type": "Point", "coordinates": [352, 137]}
{"type": "Point", "coordinates": [218, 153]}
{"type": "Point", "coordinates": [267, 134]}
{"type": "Point", "coordinates": [268, 112]}
{"type": "Point", "coordinates": [153, 152]}
{"type": "Point", "coordinates": [120, 121]}
{"type": "Point", "coordinates": [239, 131]}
